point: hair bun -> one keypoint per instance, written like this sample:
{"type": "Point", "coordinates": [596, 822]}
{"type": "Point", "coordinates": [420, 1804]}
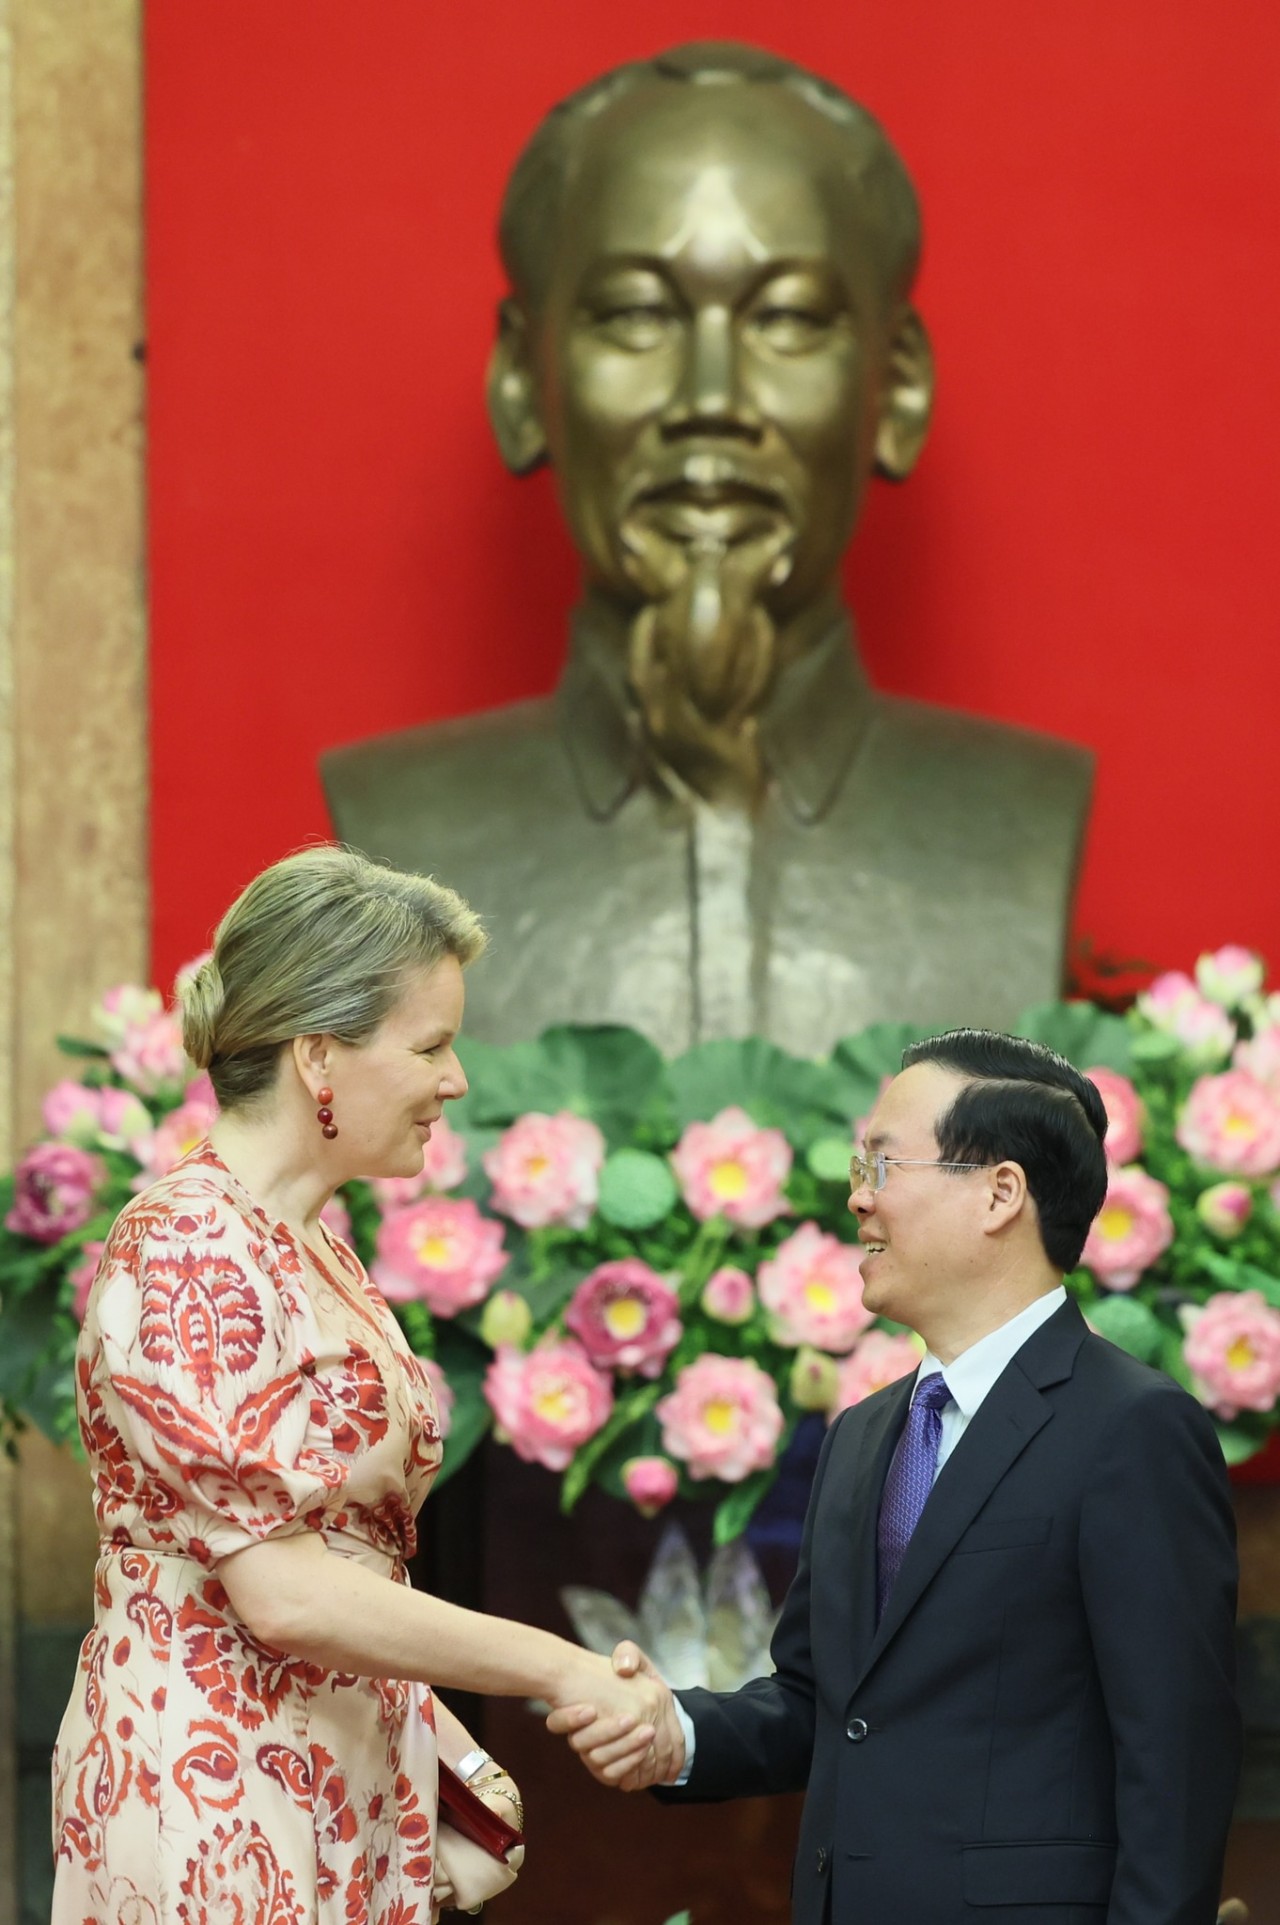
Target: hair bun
{"type": "Point", "coordinates": [201, 998]}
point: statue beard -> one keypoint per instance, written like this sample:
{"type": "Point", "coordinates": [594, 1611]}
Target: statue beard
{"type": "Point", "coordinates": [703, 651]}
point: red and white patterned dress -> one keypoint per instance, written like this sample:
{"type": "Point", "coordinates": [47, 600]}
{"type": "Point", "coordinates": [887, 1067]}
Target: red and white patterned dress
{"type": "Point", "coordinates": [233, 1384]}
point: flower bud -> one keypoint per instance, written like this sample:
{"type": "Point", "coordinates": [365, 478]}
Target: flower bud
{"type": "Point", "coordinates": [815, 1381]}
{"type": "Point", "coordinates": [729, 1296]}
{"type": "Point", "coordinates": [1225, 1209]}
{"type": "Point", "coordinates": [505, 1319]}
{"type": "Point", "coordinates": [650, 1483]}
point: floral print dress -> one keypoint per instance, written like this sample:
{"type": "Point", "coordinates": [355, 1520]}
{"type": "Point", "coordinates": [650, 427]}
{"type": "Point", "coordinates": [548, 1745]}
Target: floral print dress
{"type": "Point", "coordinates": [232, 1384]}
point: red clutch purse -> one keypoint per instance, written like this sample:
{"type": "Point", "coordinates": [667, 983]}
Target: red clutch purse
{"type": "Point", "coordinates": [472, 1818]}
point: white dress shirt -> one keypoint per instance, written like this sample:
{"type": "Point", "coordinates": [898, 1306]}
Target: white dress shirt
{"type": "Point", "coordinates": [969, 1377]}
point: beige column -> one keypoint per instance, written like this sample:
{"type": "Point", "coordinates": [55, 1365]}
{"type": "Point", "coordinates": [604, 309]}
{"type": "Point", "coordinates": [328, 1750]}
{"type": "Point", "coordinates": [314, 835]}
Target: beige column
{"type": "Point", "coordinates": [73, 771]}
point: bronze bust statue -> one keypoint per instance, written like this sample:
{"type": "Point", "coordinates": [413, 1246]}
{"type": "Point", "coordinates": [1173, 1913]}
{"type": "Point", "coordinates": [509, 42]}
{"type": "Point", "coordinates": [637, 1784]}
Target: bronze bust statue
{"type": "Point", "coordinates": [717, 827]}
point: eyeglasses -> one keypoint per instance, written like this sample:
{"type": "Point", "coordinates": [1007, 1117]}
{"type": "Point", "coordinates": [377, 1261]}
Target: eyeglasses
{"type": "Point", "coordinates": [869, 1172]}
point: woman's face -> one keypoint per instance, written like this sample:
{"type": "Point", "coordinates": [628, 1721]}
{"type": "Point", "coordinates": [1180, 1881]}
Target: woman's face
{"type": "Point", "coordinates": [388, 1091]}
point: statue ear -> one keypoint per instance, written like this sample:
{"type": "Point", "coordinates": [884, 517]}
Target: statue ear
{"type": "Point", "coordinates": [907, 403]}
{"type": "Point", "coordinates": [511, 394]}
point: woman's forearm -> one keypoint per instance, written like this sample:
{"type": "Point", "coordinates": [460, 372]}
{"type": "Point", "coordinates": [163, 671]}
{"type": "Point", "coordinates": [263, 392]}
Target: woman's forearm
{"type": "Point", "coordinates": [299, 1597]}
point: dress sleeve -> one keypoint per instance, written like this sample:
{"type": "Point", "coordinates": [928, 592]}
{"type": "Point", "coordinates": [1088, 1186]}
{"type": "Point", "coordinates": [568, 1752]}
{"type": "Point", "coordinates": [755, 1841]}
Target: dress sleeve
{"type": "Point", "coordinates": [197, 1391]}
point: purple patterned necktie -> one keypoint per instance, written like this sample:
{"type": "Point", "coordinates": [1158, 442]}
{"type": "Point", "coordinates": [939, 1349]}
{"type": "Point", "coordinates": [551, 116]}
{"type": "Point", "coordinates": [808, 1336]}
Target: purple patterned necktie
{"type": "Point", "coordinates": [910, 1479]}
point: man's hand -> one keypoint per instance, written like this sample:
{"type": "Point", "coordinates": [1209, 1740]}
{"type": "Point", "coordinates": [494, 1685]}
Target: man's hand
{"type": "Point", "coordinates": [643, 1747]}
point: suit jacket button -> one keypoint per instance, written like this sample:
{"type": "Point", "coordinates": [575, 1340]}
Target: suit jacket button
{"type": "Point", "coordinates": [856, 1730]}
{"type": "Point", "coordinates": [822, 1858]}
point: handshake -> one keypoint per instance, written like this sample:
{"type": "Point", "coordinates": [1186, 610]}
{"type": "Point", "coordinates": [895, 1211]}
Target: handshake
{"type": "Point", "coordinates": [620, 1718]}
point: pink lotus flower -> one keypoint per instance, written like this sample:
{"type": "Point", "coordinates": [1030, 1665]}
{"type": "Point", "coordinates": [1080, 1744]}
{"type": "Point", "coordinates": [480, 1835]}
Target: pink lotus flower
{"type": "Point", "coordinates": [70, 1111]}
{"type": "Point", "coordinates": [442, 1391]}
{"type": "Point", "coordinates": [172, 1139]}
{"type": "Point", "coordinates": [650, 1483]}
{"type": "Point", "coordinates": [440, 1252]}
{"type": "Point", "coordinates": [1233, 1352]}
{"type": "Point", "coordinates": [150, 1055]}
{"type": "Point", "coordinates": [1260, 1055]}
{"type": "Point", "coordinates": [200, 1090]}
{"type": "Point", "coordinates": [546, 1169]}
{"type": "Point", "coordinates": [729, 1296]}
{"type": "Point", "coordinates": [626, 1317]}
{"type": "Point", "coordinates": [548, 1402]}
{"type": "Point", "coordinates": [1125, 1114]}
{"type": "Point", "coordinates": [1130, 1231]}
{"type": "Point", "coordinates": [1174, 1004]}
{"type": "Point", "coordinates": [877, 1359]}
{"type": "Point", "coordinates": [337, 1217]}
{"type": "Point", "coordinates": [812, 1287]}
{"type": "Point", "coordinates": [1225, 1209]}
{"type": "Point", "coordinates": [1232, 1123]}
{"type": "Point", "coordinates": [81, 1276]}
{"type": "Point", "coordinates": [722, 1419]}
{"type": "Point", "coordinates": [1229, 976]}
{"type": "Point", "coordinates": [730, 1168]}
{"type": "Point", "coordinates": [127, 1006]}
{"type": "Point", "coordinates": [55, 1185]}
{"type": "Point", "coordinates": [444, 1165]}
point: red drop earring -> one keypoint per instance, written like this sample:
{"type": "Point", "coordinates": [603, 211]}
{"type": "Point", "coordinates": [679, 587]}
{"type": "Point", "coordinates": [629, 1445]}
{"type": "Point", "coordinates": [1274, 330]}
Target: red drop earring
{"type": "Point", "coordinates": [324, 1115]}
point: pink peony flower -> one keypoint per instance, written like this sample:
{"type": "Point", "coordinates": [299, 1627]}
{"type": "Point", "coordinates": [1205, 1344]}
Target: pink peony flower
{"type": "Point", "coordinates": [1125, 1114]}
{"type": "Point", "coordinates": [626, 1317]}
{"type": "Point", "coordinates": [1130, 1231]}
{"type": "Point", "coordinates": [442, 1391]}
{"type": "Point", "coordinates": [1232, 1123]}
{"type": "Point", "coordinates": [150, 1054]}
{"type": "Point", "coordinates": [812, 1287]}
{"type": "Point", "coordinates": [548, 1402]}
{"type": "Point", "coordinates": [546, 1169]}
{"type": "Point", "coordinates": [1229, 976]}
{"type": "Point", "coordinates": [82, 1275]}
{"type": "Point", "coordinates": [172, 1139]}
{"type": "Point", "coordinates": [440, 1252]}
{"type": "Point", "coordinates": [1174, 1004]}
{"type": "Point", "coordinates": [1261, 1057]}
{"type": "Point", "coordinates": [722, 1419]}
{"type": "Point", "coordinates": [55, 1185]}
{"type": "Point", "coordinates": [70, 1111]}
{"type": "Point", "coordinates": [1225, 1209]}
{"type": "Point", "coordinates": [650, 1483]}
{"type": "Point", "coordinates": [729, 1296]}
{"type": "Point", "coordinates": [124, 1008]}
{"type": "Point", "coordinates": [337, 1216]}
{"type": "Point", "coordinates": [877, 1359]}
{"type": "Point", "coordinates": [1233, 1352]}
{"type": "Point", "coordinates": [732, 1169]}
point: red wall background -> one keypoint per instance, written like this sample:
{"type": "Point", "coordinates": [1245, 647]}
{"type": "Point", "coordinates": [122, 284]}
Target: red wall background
{"type": "Point", "coordinates": [1088, 547]}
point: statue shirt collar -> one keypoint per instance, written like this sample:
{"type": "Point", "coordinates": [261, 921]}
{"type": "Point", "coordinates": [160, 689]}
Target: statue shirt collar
{"type": "Point", "coordinates": [811, 727]}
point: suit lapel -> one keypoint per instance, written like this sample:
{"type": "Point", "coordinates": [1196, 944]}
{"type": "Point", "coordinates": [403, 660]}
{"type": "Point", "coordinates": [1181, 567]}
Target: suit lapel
{"type": "Point", "coordinates": [859, 1510]}
{"type": "Point", "coordinates": [1009, 1417]}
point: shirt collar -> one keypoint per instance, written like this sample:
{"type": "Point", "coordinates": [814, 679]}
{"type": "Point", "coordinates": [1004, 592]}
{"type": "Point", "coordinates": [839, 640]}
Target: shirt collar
{"type": "Point", "coordinates": [973, 1373]}
{"type": "Point", "coordinates": [810, 728]}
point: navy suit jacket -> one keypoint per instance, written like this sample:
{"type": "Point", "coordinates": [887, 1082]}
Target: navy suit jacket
{"type": "Point", "coordinates": [1042, 1729]}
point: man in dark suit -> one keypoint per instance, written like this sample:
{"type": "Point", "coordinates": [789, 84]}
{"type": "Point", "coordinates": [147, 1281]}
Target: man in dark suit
{"type": "Point", "coordinates": [1004, 1668]}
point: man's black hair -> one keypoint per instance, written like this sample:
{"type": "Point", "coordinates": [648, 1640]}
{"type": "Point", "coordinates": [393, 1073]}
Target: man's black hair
{"type": "Point", "coordinates": [1024, 1103]}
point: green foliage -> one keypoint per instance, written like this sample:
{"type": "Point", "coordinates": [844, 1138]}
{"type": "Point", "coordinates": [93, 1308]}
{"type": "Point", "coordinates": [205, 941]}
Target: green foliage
{"type": "Point", "coordinates": [778, 1091]}
{"type": "Point", "coordinates": [1089, 1037]}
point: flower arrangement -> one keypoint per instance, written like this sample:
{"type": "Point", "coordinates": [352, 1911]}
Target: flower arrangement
{"type": "Point", "coordinates": [643, 1274]}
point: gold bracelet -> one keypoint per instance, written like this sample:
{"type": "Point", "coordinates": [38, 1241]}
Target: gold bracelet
{"type": "Point", "coordinates": [490, 1778]}
{"type": "Point", "coordinates": [516, 1804]}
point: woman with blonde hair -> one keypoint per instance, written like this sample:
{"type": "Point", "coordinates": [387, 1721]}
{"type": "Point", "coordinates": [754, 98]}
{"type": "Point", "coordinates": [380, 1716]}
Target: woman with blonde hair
{"type": "Point", "coordinates": [252, 1734]}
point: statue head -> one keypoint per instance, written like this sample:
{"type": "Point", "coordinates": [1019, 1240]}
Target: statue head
{"type": "Point", "coordinates": [709, 336]}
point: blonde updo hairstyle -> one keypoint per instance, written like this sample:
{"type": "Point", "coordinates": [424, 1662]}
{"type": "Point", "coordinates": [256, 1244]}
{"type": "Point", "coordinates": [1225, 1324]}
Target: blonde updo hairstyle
{"type": "Point", "coordinates": [319, 944]}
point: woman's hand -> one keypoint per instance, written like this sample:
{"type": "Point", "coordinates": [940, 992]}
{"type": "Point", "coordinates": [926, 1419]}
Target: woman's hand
{"type": "Point", "coordinates": [620, 1718]}
{"type": "Point", "coordinates": [498, 1790]}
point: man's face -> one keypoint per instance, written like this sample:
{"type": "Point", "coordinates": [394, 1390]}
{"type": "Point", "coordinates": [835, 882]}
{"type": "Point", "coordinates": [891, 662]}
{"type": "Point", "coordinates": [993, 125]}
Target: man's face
{"type": "Point", "coordinates": [711, 350]}
{"type": "Point", "coordinates": [922, 1231]}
